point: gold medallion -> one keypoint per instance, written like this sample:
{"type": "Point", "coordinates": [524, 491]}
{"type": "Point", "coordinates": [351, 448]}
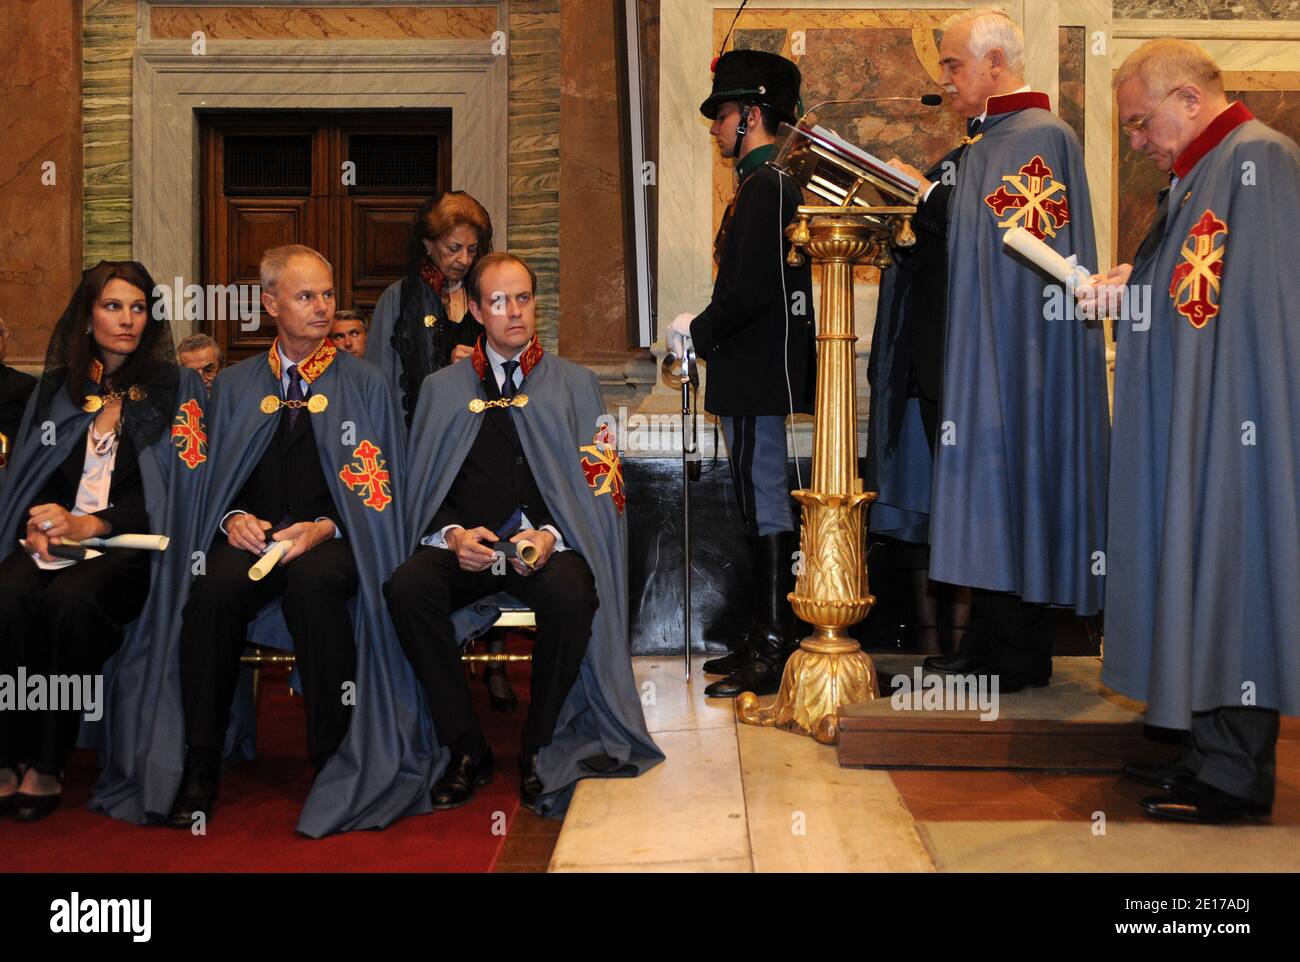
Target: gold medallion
{"type": "Point", "coordinates": [137, 393]}
{"type": "Point", "coordinates": [317, 403]}
{"type": "Point", "coordinates": [270, 404]}
{"type": "Point", "coordinates": [477, 405]}
{"type": "Point", "coordinates": [520, 400]}
{"type": "Point", "coordinates": [430, 320]}
{"type": "Point", "coordinates": [93, 404]}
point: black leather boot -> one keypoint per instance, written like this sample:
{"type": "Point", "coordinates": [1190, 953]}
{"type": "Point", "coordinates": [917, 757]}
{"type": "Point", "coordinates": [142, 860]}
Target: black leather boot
{"type": "Point", "coordinates": [735, 659]}
{"type": "Point", "coordinates": [776, 636]}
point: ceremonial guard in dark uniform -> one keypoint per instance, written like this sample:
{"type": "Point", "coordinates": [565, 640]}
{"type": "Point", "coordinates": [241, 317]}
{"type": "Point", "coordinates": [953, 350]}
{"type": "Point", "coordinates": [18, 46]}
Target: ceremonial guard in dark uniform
{"type": "Point", "coordinates": [757, 336]}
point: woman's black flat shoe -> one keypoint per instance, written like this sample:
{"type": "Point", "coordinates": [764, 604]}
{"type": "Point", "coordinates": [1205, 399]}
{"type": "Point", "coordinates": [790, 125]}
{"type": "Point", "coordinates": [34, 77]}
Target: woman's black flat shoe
{"type": "Point", "coordinates": [33, 808]}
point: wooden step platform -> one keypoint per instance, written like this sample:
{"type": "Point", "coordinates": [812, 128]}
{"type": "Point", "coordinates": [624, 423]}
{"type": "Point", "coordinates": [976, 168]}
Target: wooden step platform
{"type": "Point", "coordinates": [1074, 724]}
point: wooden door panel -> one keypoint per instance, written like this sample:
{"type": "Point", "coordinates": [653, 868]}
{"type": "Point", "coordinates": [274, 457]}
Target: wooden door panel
{"type": "Point", "coordinates": [255, 225]}
{"type": "Point", "coordinates": [379, 229]}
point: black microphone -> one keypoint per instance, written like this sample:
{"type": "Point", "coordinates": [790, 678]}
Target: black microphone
{"type": "Point", "coordinates": [929, 100]}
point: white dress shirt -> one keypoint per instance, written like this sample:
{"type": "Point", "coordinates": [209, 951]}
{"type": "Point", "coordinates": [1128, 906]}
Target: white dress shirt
{"type": "Point", "coordinates": [497, 362]}
{"type": "Point", "coordinates": [305, 386]}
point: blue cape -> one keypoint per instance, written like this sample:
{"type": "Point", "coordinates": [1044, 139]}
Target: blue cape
{"type": "Point", "coordinates": [602, 714]}
{"type": "Point", "coordinates": [1016, 500]}
{"type": "Point", "coordinates": [382, 770]}
{"type": "Point", "coordinates": [1203, 593]}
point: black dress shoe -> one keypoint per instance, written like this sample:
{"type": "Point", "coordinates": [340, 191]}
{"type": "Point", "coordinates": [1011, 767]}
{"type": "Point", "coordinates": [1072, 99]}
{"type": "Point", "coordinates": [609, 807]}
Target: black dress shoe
{"type": "Point", "coordinates": [198, 790]}
{"type": "Point", "coordinates": [530, 786]}
{"type": "Point", "coordinates": [727, 664]}
{"type": "Point", "coordinates": [1010, 684]}
{"type": "Point", "coordinates": [7, 804]}
{"type": "Point", "coordinates": [761, 674]}
{"type": "Point", "coordinates": [958, 662]}
{"type": "Point", "coordinates": [1166, 775]}
{"type": "Point", "coordinates": [33, 808]}
{"type": "Point", "coordinates": [505, 705]}
{"type": "Point", "coordinates": [1195, 801]}
{"type": "Point", "coordinates": [462, 777]}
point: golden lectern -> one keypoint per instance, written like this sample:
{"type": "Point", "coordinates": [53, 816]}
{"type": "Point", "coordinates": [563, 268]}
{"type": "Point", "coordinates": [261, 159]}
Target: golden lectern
{"type": "Point", "coordinates": [830, 669]}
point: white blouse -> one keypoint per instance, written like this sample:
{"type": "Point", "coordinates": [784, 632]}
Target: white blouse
{"type": "Point", "coordinates": [96, 479]}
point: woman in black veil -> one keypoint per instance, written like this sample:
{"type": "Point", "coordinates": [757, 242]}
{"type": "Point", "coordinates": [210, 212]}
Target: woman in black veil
{"type": "Point", "coordinates": [107, 395]}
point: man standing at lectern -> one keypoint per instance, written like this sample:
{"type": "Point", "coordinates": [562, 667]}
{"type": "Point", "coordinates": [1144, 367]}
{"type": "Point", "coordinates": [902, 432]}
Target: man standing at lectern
{"type": "Point", "coordinates": [757, 335]}
{"type": "Point", "coordinates": [1008, 488]}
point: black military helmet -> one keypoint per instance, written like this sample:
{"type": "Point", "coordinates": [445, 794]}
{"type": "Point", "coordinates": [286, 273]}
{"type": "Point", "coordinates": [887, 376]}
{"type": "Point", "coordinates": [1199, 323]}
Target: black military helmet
{"type": "Point", "coordinates": [754, 77]}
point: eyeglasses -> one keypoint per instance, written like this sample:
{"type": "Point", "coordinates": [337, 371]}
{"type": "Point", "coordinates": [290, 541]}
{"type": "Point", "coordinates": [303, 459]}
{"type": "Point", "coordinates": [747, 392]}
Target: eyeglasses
{"type": "Point", "coordinates": [1133, 126]}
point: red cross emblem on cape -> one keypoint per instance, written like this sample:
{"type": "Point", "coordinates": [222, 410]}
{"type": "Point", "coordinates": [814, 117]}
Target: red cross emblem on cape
{"type": "Point", "coordinates": [188, 436]}
{"type": "Point", "coordinates": [605, 473]}
{"type": "Point", "coordinates": [1038, 203]}
{"type": "Point", "coordinates": [368, 477]}
{"type": "Point", "coordinates": [1195, 286]}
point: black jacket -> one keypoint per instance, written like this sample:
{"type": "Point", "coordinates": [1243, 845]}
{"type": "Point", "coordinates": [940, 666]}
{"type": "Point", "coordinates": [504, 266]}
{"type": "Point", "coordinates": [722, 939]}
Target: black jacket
{"type": "Point", "coordinates": [743, 332]}
{"type": "Point", "coordinates": [495, 479]}
{"type": "Point", "coordinates": [288, 485]}
{"type": "Point", "coordinates": [126, 512]}
{"type": "Point", "coordinates": [15, 388]}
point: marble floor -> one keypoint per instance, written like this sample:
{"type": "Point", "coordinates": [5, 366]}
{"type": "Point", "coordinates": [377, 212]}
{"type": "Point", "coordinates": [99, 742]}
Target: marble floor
{"type": "Point", "coordinates": [734, 798]}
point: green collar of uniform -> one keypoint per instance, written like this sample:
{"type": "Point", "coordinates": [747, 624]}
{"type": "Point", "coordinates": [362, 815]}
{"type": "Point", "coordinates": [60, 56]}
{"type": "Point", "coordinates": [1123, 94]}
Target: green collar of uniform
{"type": "Point", "coordinates": [755, 159]}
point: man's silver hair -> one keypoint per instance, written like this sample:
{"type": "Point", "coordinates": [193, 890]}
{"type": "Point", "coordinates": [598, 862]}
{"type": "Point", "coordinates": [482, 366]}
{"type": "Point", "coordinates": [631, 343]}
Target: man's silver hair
{"type": "Point", "coordinates": [198, 342]}
{"type": "Point", "coordinates": [275, 260]}
{"type": "Point", "coordinates": [992, 29]}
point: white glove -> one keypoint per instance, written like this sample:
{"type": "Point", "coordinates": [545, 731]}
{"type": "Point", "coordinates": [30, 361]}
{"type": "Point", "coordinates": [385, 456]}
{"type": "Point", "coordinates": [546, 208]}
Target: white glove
{"type": "Point", "coordinates": [679, 334]}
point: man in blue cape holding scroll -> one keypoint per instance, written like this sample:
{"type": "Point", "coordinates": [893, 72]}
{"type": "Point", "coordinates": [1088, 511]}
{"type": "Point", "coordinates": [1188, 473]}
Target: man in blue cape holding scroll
{"type": "Point", "coordinates": [305, 453]}
{"type": "Point", "coordinates": [1202, 607]}
{"type": "Point", "coordinates": [512, 448]}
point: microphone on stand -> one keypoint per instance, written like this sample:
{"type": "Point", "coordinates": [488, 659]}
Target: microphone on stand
{"type": "Point", "coordinates": [928, 100]}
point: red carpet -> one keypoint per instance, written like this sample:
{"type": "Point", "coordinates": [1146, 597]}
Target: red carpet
{"type": "Point", "coordinates": [252, 828]}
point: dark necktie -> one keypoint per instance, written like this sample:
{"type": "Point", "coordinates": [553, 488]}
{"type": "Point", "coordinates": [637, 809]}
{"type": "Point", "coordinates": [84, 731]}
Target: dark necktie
{"type": "Point", "coordinates": [508, 382]}
{"type": "Point", "coordinates": [1156, 235]}
{"type": "Point", "coordinates": [294, 394]}
{"type": "Point", "coordinates": [973, 126]}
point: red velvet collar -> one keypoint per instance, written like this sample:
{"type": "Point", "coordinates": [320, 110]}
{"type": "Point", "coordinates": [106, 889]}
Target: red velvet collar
{"type": "Point", "coordinates": [1010, 103]}
{"type": "Point", "coordinates": [96, 371]}
{"type": "Point", "coordinates": [1232, 117]}
{"type": "Point", "coordinates": [527, 360]}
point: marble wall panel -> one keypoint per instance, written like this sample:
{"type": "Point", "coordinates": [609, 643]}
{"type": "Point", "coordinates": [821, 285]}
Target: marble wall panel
{"type": "Point", "coordinates": [1073, 77]}
{"type": "Point", "coordinates": [108, 41]}
{"type": "Point", "coordinates": [1207, 9]}
{"type": "Point", "coordinates": [461, 22]}
{"type": "Point", "coordinates": [533, 171]}
{"type": "Point", "coordinates": [40, 172]}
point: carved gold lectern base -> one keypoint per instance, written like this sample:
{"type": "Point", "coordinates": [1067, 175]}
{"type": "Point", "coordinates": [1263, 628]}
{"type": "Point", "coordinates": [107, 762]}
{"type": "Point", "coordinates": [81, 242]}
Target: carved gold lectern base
{"type": "Point", "coordinates": [830, 670]}
{"type": "Point", "coordinates": [823, 676]}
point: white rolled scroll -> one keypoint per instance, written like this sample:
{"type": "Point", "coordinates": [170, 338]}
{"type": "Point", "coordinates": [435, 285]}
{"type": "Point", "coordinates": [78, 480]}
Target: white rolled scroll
{"type": "Point", "coordinates": [270, 558]}
{"type": "Point", "coordinates": [142, 542]}
{"type": "Point", "coordinates": [527, 552]}
{"type": "Point", "coordinates": [1064, 269]}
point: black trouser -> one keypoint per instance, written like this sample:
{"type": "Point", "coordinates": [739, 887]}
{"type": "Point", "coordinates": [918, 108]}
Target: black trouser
{"type": "Point", "coordinates": [1015, 637]}
{"type": "Point", "coordinates": [313, 590]}
{"type": "Point", "coordinates": [425, 591]}
{"type": "Point", "coordinates": [1234, 749]}
{"type": "Point", "coordinates": [64, 622]}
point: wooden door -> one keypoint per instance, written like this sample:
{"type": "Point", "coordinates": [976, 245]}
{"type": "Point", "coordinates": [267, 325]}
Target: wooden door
{"type": "Point", "coordinates": [345, 183]}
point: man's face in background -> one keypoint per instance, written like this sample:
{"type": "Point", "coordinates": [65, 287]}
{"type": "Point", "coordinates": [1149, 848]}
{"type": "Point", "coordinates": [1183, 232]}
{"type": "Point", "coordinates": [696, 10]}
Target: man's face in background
{"type": "Point", "coordinates": [349, 335]}
{"type": "Point", "coordinates": [206, 360]}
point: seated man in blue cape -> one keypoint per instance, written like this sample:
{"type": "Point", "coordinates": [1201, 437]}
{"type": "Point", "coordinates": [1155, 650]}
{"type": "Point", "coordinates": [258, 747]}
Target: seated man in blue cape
{"type": "Point", "coordinates": [513, 444]}
{"type": "Point", "coordinates": [307, 451]}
